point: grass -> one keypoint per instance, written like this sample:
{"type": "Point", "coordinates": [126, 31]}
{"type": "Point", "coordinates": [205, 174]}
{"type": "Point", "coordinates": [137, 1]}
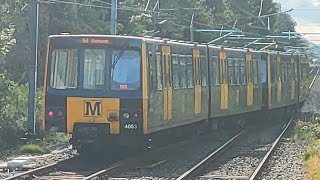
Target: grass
{"type": "Point", "coordinates": [308, 130]}
{"type": "Point", "coordinates": [33, 149]}
{"type": "Point", "coordinates": [312, 160]}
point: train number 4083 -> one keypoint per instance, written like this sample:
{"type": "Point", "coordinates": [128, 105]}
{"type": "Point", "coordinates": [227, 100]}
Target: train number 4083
{"type": "Point", "coordinates": [131, 126]}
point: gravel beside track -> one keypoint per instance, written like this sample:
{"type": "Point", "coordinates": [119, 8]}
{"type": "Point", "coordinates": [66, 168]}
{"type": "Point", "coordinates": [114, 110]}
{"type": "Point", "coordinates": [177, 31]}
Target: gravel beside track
{"type": "Point", "coordinates": [240, 162]}
{"type": "Point", "coordinates": [40, 161]}
{"type": "Point", "coordinates": [74, 169]}
{"type": "Point", "coordinates": [174, 161]}
{"type": "Point", "coordinates": [286, 163]}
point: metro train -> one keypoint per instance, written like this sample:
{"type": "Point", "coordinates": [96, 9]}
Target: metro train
{"type": "Point", "coordinates": [110, 90]}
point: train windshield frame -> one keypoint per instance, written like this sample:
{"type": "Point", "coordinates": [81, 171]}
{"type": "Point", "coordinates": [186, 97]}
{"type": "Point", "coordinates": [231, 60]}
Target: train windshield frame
{"type": "Point", "coordinates": [110, 68]}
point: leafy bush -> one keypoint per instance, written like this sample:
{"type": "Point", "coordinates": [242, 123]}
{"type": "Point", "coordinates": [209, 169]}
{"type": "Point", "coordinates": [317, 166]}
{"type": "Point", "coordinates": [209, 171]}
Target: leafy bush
{"type": "Point", "coordinates": [33, 149]}
{"type": "Point", "coordinates": [13, 112]}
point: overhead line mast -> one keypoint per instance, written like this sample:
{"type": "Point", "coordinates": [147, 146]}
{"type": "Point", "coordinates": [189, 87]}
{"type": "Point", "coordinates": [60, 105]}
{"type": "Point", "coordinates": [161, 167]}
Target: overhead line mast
{"type": "Point", "coordinates": [114, 17]}
{"type": "Point", "coordinates": [33, 61]}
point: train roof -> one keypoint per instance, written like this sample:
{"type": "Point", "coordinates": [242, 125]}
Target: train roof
{"type": "Point", "coordinates": [170, 41]}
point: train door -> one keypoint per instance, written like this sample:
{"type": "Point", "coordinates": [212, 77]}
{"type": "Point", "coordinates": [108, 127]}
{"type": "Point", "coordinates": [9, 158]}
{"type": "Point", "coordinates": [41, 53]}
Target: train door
{"type": "Point", "coordinates": [197, 80]}
{"type": "Point", "coordinates": [224, 80]}
{"type": "Point", "coordinates": [249, 74]}
{"type": "Point", "coordinates": [167, 84]}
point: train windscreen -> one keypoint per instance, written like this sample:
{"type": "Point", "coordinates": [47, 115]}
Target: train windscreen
{"type": "Point", "coordinates": [95, 69]}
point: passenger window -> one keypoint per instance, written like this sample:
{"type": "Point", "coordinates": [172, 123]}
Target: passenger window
{"type": "Point", "coordinates": [151, 63]}
{"type": "Point", "coordinates": [183, 70]}
{"type": "Point", "coordinates": [215, 70]}
{"type": "Point", "coordinates": [159, 71]}
{"type": "Point", "coordinates": [285, 71]}
{"type": "Point", "coordinates": [273, 71]}
{"type": "Point", "coordinates": [263, 71]}
{"type": "Point", "coordinates": [243, 72]}
{"type": "Point", "coordinates": [237, 71]}
{"type": "Point", "coordinates": [288, 71]}
{"type": "Point", "coordinates": [204, 70]}
{"type": "Point", "coordinates": [231, 70]}
{"type": "Point", "coordinates": [189, 72]}
{"type": "Point", "coordinates": [255, 72]}
{"type": "Point", "coordinates": [279, 69]}
{"type": "Point", "coordinates": [296, 70]}
{"type": "Point", "coordinates": [175, 71]}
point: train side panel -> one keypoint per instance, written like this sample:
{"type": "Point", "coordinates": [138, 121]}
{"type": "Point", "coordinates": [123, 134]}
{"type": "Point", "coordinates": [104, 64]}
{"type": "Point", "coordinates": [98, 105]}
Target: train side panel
{"type": "Point", "coordinates": [235, 82]}
{"type": "Point", "coordinates": [184, 69]}
{"type": "Point", "coordinates": [282, 84]}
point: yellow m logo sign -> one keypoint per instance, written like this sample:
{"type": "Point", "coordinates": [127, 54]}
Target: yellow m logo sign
{"type": "Point", "coordinates": [92, 108]}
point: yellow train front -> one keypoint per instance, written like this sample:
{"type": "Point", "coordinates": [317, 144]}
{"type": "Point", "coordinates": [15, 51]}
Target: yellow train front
{"type": "Point", "coordinates": [93, 89]}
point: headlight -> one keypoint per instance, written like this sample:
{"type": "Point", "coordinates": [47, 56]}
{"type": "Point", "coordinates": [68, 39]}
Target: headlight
{"type": "Point", "coordinates": [126, 115]}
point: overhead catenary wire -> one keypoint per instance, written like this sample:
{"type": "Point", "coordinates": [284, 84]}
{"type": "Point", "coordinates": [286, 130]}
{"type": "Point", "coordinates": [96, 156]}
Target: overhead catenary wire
{"type": "Point", "coordinates": [161, 12]}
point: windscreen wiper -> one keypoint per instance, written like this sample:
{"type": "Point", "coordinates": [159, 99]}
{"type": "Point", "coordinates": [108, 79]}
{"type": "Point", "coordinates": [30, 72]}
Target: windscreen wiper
{"type": "Point", "coordinates": [117, 58]}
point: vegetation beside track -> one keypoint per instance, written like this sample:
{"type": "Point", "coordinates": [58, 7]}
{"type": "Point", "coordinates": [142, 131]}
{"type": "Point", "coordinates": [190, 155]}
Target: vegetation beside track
{"type": "Point", "coordinates": [308, 130]}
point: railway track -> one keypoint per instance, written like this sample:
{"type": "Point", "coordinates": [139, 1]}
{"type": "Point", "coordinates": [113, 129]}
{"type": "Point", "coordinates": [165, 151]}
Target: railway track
{"type": "Point", "coordinates": [256, 168]}
{"type": "Point", "coordinates": [73, 168]}
{"type": "Point", "coordinates": [256, 174]}
{"type": "Point", "coordinates": [211, 156]}
{"type": "Point", "coordinates": [315, 73]}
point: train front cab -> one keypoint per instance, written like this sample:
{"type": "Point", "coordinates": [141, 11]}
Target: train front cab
{"type": "Point", "coordinates": [95, 89]}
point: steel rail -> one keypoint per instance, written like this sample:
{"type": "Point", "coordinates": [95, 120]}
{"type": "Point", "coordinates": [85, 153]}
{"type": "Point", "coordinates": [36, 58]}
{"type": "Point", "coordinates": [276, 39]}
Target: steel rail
{"type": "Point", "coordinates": [262, 164]}
{"type": "Point", "coordinates": [314, 79]}
{"type": "Point", "coordinates": [102, 173]}
{"type": "Point", "coordinates": [214, 154]}
{"type": "Point", "coordinates": [40, 170]}
{"type": "Point", "coordinates": [312, 70]}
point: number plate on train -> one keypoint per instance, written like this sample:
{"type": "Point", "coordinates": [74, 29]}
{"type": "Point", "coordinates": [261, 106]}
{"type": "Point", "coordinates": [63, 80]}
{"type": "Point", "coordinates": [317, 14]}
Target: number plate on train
{"type": "Point", "coordinates": [131, 126]}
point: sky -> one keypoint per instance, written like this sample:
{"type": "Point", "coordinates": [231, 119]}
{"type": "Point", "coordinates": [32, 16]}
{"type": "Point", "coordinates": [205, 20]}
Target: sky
{"type": "Point", "coordinates": [306, 13]}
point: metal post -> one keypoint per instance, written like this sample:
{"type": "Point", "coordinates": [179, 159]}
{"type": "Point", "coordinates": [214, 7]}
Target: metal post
{"type": "Point", "coordinates": [114, 14]}
{"type": "Point", "coordinates": [34, 19]}
{"type": "Point", "coordinates": [192, 29]}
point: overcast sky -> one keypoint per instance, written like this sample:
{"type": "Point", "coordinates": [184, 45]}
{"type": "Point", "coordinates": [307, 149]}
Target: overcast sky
{"type": "Point", "coordinates": [307, 15]}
